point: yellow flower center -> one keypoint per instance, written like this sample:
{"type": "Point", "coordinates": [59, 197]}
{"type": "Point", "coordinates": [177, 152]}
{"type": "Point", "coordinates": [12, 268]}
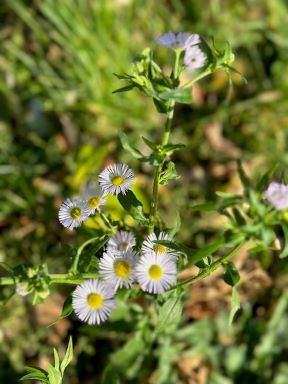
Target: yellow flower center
{"type": "Point", "coordinates": [75, 213]}
{"type": "Point", "coordinates": [117, 180]}
{"type": "Point", "coordinates": [122, 268]}
{"type": "Point", "coordinates": [93, 202]}
{"type": "Point", "coordinates": [95, 300]}
{"type": "Point", "coordinates": [155, 272]}
{"type": "Point", "coordinates": [159, 248]}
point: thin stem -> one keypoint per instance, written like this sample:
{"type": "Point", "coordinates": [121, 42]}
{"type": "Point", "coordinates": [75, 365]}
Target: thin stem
{"type": "Point", "coordinates": [106, 220]}
{"type": "Point", "coordinates": [61, 278]}
{"type": "Point", "coordinates": [211, 268]}
{"type": "Point", "coordinates": [165, 140]}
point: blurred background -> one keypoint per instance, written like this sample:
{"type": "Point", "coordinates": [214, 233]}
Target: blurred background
{"type": "Point", "coordinates": [59, 124]}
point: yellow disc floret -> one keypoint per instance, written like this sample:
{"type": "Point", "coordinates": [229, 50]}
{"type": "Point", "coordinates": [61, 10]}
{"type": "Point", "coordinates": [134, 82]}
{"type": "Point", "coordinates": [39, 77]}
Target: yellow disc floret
{"type": "Point", "coordinates": [159, 248]}
{"type": "Point", "coordinates": [93, 202]}
{"type": "Point", "coordinates": [75, 213]}
{"type": "Point", "coordinates": [117, 180]}
{"type": "Point", "coordinates": [95, 300]}
{"type": "Point", "coordinates": [155, 272]}
{"type": "Point", "coordinates": [122, 268]}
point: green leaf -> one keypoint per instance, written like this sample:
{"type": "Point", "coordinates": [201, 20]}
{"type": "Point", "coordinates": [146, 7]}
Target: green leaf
{"type": "Point", "coordinates": [110, 376]}
{"type": "Point", "coordinates": [246, 182]}
{"type": "Point", "coordinates": [204, 207]}
{"type": "Point", "coordinates": [128, 146]}
{"type": "Point", "coordinates": [169, 174]}
{"type": "Point", "coordinates": [172, 147]}
{"type": "Point", "coordinates": [172, 231]}
{"type": "Point", "coordinates": [124, 89]}
{"type": "Point", "coordinates": [133, 206]}
{"type": "Point", "coordinates": [169, 314]}
{"type": "Point", "coordinates": [8, 291]}
{"type": "Point", "coordinates": [194, 256]}
{"type": "Point", "coordinates": [235, 305]}
{"type": "Point", "coordinates": [150, 144]}
{"type": "Point", "coordinates": [54, 376]}
{"type": "Point", "coordinates": [179, 95]}
{"type": "Point", "coordinates": [35, 374]}
{"type": "Point", "coordinates": [231, 275]}
{"type": "Point", "coordinates": [266, 177]}
{"type": "Point", "coordinates": [56, 360]}
{"type": "Point", "coordinates": [284, 252]}
{"type": "Point", "coordinates": [68, 356]}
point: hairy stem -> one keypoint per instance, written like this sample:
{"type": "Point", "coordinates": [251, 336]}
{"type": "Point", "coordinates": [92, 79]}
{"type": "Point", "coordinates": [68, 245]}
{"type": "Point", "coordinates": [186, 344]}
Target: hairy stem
{"type": "Point", "coordinates": [165, 140]}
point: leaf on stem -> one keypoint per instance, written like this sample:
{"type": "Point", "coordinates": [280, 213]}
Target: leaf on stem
{"type": "Point", "coordinates": [133, 206]}
{"type": "Point", "coordinates": [235, 305]}
{"type": "Point", "coordinates": [179, 95]}
{"type": "Point", "coordinates": [128, 146]}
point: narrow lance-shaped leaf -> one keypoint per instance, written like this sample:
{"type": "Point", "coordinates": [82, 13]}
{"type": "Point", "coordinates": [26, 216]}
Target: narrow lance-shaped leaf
{"type": "Point", "coordinates": [133, 206]}
{"type": "Point", "coordinates": [128, 146]}
{"type": "Point", "coordinates": [266, 177]}
{"type": "Point", "coordinates": [179, 95]}
{"type": "Point", "coordinates": [54, 376]}
{"type": "Point", "coordinates": [35, 374]}
{"type": "Point", "coordinates": [169, 314]}
{"type": "Point", "coordinates": [235, 304]}
{"type": "Point", "coordinates": [68, 356]}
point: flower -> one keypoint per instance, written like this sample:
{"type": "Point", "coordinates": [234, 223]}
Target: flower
{"type": "Point", "coordinates": [194, 58]}
{"type": "Point", "coordinates": [277, 195]}
{"type": "Point", "coordinates": [121, 242]}
{"type": "Point", "coordinates": [73, 212]}
{"type": "Point", "coordinates": [94, 197]}
{"type": "Point", "coordinates": [93, 301]}
{"type": "Point", "coordinates": [155, 273]}
{"type": "Point", "coordinates": [22, 289]}
{"type": "Point", "coordinates": [118, 269]}
{"type": "Point", "coordinates": [178, 40]}
{"type": "Point", "coordinates": [116, 179]}
{"type": "Point", "coordinates": [149, 245]}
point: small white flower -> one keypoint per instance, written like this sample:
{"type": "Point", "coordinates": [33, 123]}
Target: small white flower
{"type": "Point", "coordinates": [178, 40]}
{"type": "Point", "coordinates": [22, 289]}
{"type": "Point", "coordinates": [118, 269]}
{"type": "Point", "coordinates": [94, 197]}
{"type": "Point", "coordinates": [277, 195]}
{"type": "Point", "coordinates": [93, 301]}
{"type": "Point", "coordinates": [121, 242]}
{"type": "Point", "coordinates": [149, 245]}
{"type": "Point", "coordinates": [194, 58]}
{"type": "Point", "coordinates": [72, 213]}
{"type": "Point", "coordinates": [155, 273]}
{"type": "Point", "coordinates": [116, 179]}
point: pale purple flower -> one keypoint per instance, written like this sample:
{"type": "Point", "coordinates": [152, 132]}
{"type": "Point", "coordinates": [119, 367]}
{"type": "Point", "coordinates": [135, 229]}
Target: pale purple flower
{"type": "Point", "coordinates": [194, 58]}
{"type": "Point", "coordinates": [277, 195]}
{"type": "Point", "coordinates": [179, 40]}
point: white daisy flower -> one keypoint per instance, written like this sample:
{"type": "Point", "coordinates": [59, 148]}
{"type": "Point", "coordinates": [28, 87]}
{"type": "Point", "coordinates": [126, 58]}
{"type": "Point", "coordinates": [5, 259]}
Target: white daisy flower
{"type": "Point", "coordinates": [116, 179]}
{"type": "Point", "coordinates": [178, 40]}
{"type": "Point", "coordinates": [118, 269]}
{"type": "Point", "coordinates": [149, 245]}
{"type": "Point", "coordinates": [72, 213]}
{"type": "Point", "coordinates": [121, 242]}
{"type": "Point", "coordinates": [194, 58]}
{"type": "Point", "coordinates": [94, 197]}
{"type": "Point", "coordinates": [93, 301]}
{"type": "Point", "coordinates": [277, 195]}
{"type": "Point", "coordinates": [155, 273]}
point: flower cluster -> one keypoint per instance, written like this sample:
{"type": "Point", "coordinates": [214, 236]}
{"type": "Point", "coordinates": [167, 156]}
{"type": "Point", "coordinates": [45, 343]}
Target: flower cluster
{"type": "Point", "coordinates": [153, 268]}
{"type": "Point", "coordinates": [113, 180]}
{"type": "Point", "coordinates": [193, 57]}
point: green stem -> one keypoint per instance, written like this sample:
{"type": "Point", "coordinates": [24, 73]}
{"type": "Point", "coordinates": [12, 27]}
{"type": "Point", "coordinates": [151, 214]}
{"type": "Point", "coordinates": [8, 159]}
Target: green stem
{"type": "Point", "coordinates": [106, 220]}
{"type": "Point", "coordinates": [165, 140]}
{"type": "Point", "coordinates": [61, 278]}
{"type": "Point", "coordinates": [211, 268]}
